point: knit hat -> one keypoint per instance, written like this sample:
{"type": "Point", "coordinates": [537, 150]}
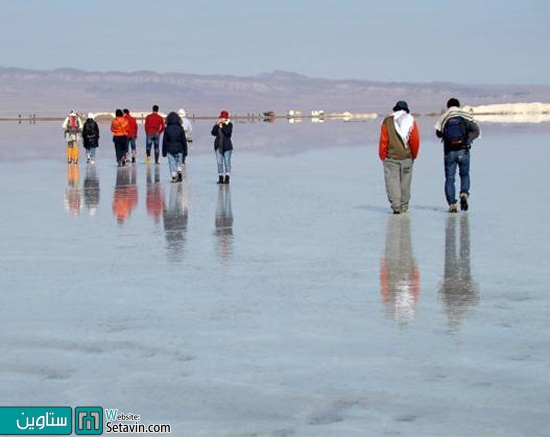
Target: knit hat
{"type": "Point", "coordinates": [182, 113]}
{"type": "Point", "coordinates": [224, 115]}
{"type": "Point", "coordinates": [91, 116]}
{"type": "Point", "coordinates": [401, 105]}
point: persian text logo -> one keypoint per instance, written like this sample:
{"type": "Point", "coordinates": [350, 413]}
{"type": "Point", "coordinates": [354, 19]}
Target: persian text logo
{"type": "Point", "coordinates": [35, 420]}
{"type": "Point", "coordinates": [88, 420]}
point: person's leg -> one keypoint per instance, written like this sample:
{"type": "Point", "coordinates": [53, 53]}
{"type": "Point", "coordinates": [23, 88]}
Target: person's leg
{"type": "Point", "coordinates": [179, 167]}
{"type": "Point", "coordinates": [219, 161]}
{"type": "Point", "coordinates": [464, 172]}
{"type": "Point", "coordinates": [227, 161]}
{"type": "Point", "coordinates": [393, 184]}
{"type": "Point", "coordinates": [148, 143]}
{"type": "Point", "coordinates": [450, 172]}
{"type": "Point", "coordinates": [156, 141]}
{"type": "Point", "coordinates": [92, 155]}
{"type": "Point", "coordinates": [406, 172]}
{"type": "Point", "coordinates": [172, 166]}
{"type": "Point", "coordinates": [133, 148]}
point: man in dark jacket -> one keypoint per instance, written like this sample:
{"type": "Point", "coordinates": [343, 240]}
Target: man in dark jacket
{"type": "Point", "coordinates": [174, 146]}
{"type": "Point", "coordinates": [457, 129]}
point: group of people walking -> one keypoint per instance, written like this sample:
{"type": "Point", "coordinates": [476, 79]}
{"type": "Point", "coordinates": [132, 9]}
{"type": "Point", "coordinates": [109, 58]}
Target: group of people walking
{"type": "Point", "coordinates": [176, 130]}
{"type": "Point", "coordinates": [399, 145]}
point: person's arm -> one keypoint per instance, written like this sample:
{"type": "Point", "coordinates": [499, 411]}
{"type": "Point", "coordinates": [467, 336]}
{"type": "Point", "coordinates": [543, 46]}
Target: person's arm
{"type": "Point", "coordinates": [162, 125]}
{"type": "Point", "coordinates": [215, 130]}
{"type": "Point", "coordinates": [227, 129]}
{"type": "Point", "coordinates": [164, 142]}
{"type": "Point", "coordinates": [414, 140]}
{"type": "Point", "coordinates": [439, 134]}
{"type": "Point", "coordinates": [473, 131]}
{"type": "Point", "coordinates": [184, 141]}
{"type": "Point", "coordinates": [96, 129]}
{"type": "Point", "coordinates": [383, 143]}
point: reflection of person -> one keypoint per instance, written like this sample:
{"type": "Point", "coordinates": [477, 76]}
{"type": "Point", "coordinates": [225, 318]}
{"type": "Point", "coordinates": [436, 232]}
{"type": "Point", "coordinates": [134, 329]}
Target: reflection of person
{"type": "Point", "coordinates": [458, 292]}
{"type": "Point", "coordinates": [154, 200]}
{"type": "Point", "coordinates": [154, 126]}
{"type": "Point", "coordinates": [223, 146]}
{"type": "Point", "coordinates": [91, 189]}
{"type": "Point", "coordinates": [457, 129]}
{"type": "Point", "coordinates": [132, 132]}
{"type": "Point", "coordinates": [398, 148]}
{"type": "Point", "coordinates": [176, 217]}
{"type": "Point", "coordinates": [224, 223]}
{"type": "Point", "coordinates": [119, 128]}
{"type": "Point", "coordinates": [399, 276]}
{"type": "Point", "coordinates": [72, 127]}
{"type": "Point", "coordinates": [174, 146]}
{"type": "Point", "coordinates": [125, 198]}
{"type": "Point", "coordinates": [73, 196]}
{"type": "Point", "coordinates": [90, 136]}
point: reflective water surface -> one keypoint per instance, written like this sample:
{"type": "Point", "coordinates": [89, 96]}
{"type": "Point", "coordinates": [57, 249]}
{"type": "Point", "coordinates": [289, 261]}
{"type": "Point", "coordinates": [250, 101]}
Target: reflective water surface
{"type": "Point", "coordinates": [290, 302]}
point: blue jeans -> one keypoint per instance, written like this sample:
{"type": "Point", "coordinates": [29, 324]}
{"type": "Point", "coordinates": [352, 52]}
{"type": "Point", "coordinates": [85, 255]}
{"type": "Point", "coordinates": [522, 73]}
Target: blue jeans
{"type": "Point", "coordinates": [174, 163]}
{"type": "Point", "coordinates": [224, 159]}
{"type": "Point", "coordinates": [452, 159]}
{"type": "Point", "coordinates": [132, 142]}
{"type": "Point", "coordinates": [152, 140]}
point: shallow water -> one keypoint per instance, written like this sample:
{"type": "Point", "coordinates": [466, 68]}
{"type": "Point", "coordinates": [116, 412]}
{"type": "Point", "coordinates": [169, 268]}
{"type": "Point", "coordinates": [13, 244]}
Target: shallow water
{"type": "Point", "coordinates": [290, 302]}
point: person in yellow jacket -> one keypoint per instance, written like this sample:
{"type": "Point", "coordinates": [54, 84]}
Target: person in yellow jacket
{"type": "Point", "coordinates": [72, 127]}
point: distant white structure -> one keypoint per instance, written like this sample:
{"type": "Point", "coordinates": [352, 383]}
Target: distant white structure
{"type": "Point", "coordinates": [347, 116]}
{"type": "Point", "coordinates": [519, 108]}
{"type": "Point", "coordinates": [294, 113]}
{"type": "Point", "coordinates": [533, 112]}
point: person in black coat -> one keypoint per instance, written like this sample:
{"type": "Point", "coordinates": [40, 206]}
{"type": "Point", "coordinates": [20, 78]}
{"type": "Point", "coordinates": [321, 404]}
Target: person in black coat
{"type": "Point", "coordinates": [174, 146]}
{"type": "Point", "coordinates": [223, 146]}
{"type": "Point", "coordinates": [90, 135]}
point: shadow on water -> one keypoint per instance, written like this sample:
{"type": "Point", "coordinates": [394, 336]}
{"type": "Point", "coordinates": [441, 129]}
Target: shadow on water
{"type": "Point", "coordinates": [91, 189]}
{"type": "Point", "coordinates": [176, 218]}
{"type": "Point", "coordinates": [458, 292]}
{"type": "Point", "coordinates": [399, 275]}
{"type": "Point", "coordinates": [224, 224]}
{"type": "Point", "coordinates": [73, 194]}
{"type": "Point", "coordinates": [154, 199]}
{"type": "Point", "coordinates": [125, 198]}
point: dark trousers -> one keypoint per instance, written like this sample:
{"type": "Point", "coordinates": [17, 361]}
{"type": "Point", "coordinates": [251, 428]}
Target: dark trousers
{"type": "Point", "coordinates": [121, 147]}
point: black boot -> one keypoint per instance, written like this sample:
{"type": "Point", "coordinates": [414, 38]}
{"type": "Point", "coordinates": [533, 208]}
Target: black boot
{"type": "Point", "coordinates": [220, 179]}
{"type": "Point", "coordinates": [226, 179]}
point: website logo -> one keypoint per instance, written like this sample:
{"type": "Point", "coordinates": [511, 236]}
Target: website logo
{"type": "Point", "coordinates": [36, 420]}
{"type": "Point", "coordinates": [88, 420]}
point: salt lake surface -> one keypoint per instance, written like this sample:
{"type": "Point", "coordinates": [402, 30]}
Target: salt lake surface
{"type": "Point", "coordinates": [288, 303]}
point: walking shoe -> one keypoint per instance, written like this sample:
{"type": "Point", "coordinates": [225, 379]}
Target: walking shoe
{"type": "Point", "coordinates": [396, 211]}
{"type": "Point", "coordinates": [175, 179]}
{"type": "Point", "coordinates": [157, 162]}
{"type": "Point", "coordinates": [220, 179]}
{"type": "Point", "coordinates": [464, 201]}
{"type": "Point", "coordinates": [180, 176]}
{"type": "Point", "coordinates": [226, 179]}
{"type": "Point", "coordinates": [453, 208]}
{"type": "Point", "coordinates": [133, 159]}
{"type": "Point", "coordinates": [148, 160]}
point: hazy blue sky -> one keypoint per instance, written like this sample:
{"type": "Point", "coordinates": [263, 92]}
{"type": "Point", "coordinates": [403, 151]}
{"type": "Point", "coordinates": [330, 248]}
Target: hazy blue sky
{"type": "Point", "coordinates": [470, 41]}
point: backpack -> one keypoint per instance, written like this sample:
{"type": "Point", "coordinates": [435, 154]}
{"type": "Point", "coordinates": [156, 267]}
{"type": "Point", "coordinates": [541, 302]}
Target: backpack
{"type": "Point", "coordinates": [455, 132]}
{"type": "Point", "coordinates": [73, 126]}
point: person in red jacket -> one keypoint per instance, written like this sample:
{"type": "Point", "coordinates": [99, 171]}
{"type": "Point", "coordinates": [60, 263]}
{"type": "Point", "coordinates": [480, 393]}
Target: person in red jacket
{"type": "Point", "coordinates": [132, 132]}
{"type": "Point", "coordinates": [398, 148]}
{"type": "Point", "coordinates": [154, 126]}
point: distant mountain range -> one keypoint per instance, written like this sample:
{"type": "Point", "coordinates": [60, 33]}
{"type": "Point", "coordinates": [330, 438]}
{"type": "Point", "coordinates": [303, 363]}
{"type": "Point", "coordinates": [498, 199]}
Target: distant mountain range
{"type": "Point", "coordinates": [53, 93]}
